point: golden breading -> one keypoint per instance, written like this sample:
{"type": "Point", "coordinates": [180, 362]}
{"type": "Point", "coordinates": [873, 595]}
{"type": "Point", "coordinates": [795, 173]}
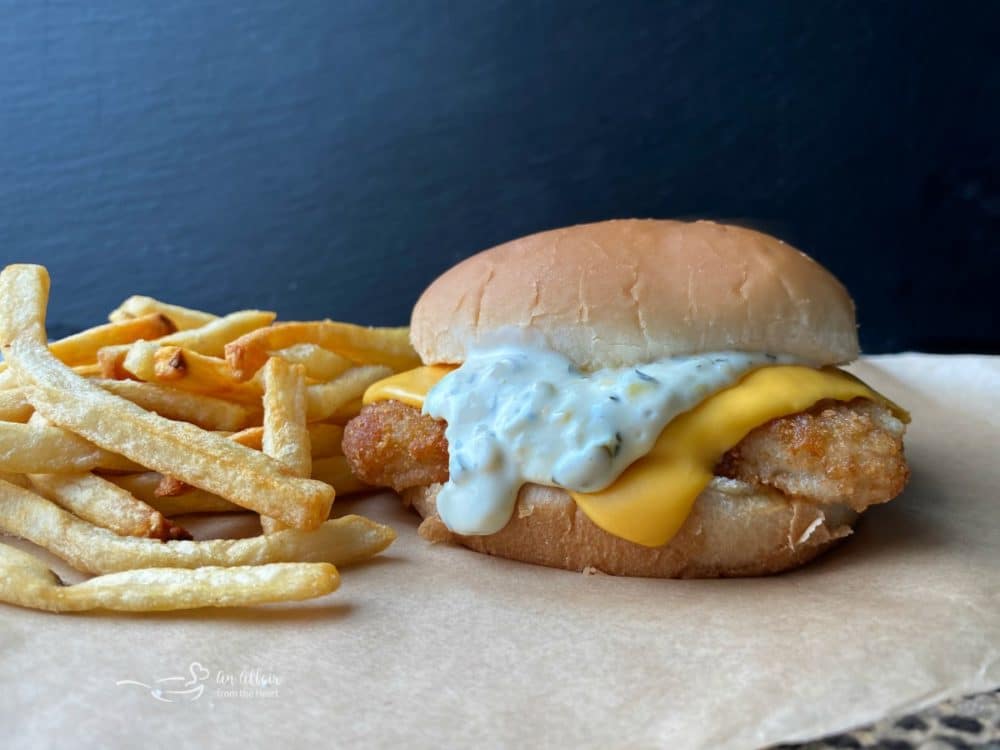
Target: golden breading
{"type": "Point", "coordinates": [393, 445]}
{"type": "Point", "coordinates": [834, 453]}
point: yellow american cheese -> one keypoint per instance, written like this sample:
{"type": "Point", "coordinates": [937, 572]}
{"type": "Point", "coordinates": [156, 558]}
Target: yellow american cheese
{"type": "Point", "coordinates": [409, 387]}
{"type": "Point", "coordinates": [650, 501]}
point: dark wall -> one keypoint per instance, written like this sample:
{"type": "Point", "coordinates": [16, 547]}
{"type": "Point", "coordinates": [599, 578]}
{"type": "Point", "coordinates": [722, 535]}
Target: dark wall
{"type": "Point", "coordinates": [330, 158]}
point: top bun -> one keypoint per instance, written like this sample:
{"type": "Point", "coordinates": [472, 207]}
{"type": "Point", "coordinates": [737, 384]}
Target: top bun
{"type": "Point", "coordinates": [617, 293]}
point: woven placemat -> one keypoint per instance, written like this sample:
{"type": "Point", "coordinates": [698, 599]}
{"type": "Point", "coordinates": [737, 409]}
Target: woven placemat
{"type": "Point", "coordinates": [971, 723]}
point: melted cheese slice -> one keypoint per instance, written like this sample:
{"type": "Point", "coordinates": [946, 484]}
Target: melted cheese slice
{"type": "Point", "coordinates": [409, 387]}
{"type": "Point", "coordinates": [652, 499]}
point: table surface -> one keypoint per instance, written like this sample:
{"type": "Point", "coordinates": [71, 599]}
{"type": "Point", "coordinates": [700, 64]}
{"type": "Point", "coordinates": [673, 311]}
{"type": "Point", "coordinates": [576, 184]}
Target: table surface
{"type": "Point", "coordinates": [970, 722]}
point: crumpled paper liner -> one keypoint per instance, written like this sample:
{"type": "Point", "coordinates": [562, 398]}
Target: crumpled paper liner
{"type": "Point", "coordinates": [435, 646]}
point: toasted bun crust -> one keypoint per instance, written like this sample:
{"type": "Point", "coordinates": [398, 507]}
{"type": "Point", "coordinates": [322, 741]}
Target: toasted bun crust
{"type": "Point", "coordinates": [616, 293]}
{"type": "Point", "coordinates": [733, 530]}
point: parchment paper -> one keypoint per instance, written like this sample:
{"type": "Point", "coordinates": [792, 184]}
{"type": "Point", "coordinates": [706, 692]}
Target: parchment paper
{"type": "Point", "coordinates": [439, 647]}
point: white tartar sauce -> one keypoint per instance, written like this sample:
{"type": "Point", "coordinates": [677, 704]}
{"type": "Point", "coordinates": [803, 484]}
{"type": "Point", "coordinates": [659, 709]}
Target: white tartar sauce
{"type": "Point", "coordinates": [519, 414]}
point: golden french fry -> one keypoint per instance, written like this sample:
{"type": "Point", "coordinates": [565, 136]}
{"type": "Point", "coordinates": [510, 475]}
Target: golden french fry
{"type": "Point", "coordinates": [188, 371]}
{"type": "Point", "coordinates": [179, 449]}
{"type": "Point", "coordinates": [99, 501]}
{"type": "Point", "coordinates": [321, 364]}
{"type": "Point", "coordinates": [139, 360]}
{"type": "Point", "coordinates": [171, 487]}
{"type": "Point", "coordinates": [81, 349]}
{"type": "Point", "coordinates": [286, 437]}
{"type": "Point", "coordinates": [183, 318]}
{"type": "Point", "coordinates": [345, 413]}
{"type": "Point", "coordinates": [251, 437]}
{"type": "Point", "coordinates": [9, 379]}
{"type": "Point", "coordinates": [43, 449]}
{"type": "Point", "coordinates": [26, 581]}
{"type": "Point", "coordinates": [144, 485]}
{"type": "Point", "coordinates": [205, 411]}
{"type": "Point", "coordinates": [14, 405]}
{"type": "Point", "coordinates": [209, 339]}
{"type": "Point", "coordinates": [91, 549]}
{"type": "Point", "coordinates": [323, 400]}
{"type": "Point", "coordinates": [93, 370]}
{"type": "Point", "coordinates": [381, 346]}
{"type": "Point", "coordinates": [21, 480]}
{"type": "Point", "coordinates": [200, 458]}
{"type": "Point", "coordinates": [336, 472]}
{"type": "Point", "coordinates": [326, 439]}
{"type": "Point", "coordinates": [197, 372]}
{"type": "Point", "coordinates": [111, 361]}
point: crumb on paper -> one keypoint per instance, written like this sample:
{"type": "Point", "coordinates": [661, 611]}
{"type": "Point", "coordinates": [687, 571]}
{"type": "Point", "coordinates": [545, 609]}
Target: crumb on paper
{"type": "Point", "coordinates": [433, 530]}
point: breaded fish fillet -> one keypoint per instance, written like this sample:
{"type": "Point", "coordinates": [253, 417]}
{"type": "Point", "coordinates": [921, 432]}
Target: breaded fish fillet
{"type": "Point", "coordinates": [850, 453]}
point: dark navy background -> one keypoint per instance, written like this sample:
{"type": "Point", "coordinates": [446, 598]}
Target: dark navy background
{"type": "Point", "coordinates": [330, 158]}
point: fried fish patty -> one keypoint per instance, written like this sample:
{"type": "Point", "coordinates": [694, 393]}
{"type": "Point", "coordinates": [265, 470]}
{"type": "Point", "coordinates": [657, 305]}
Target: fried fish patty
{"type": "Point", "coordinates": [835, 452]}
{"type": "Point", "coordinates": [390, 444]}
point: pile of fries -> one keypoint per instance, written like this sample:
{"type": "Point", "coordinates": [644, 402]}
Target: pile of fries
{"type": "Point", "coordinates": [107, 435]}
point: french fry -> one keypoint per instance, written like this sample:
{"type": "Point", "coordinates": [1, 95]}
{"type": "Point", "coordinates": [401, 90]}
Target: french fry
{"type": "Point", "coordinates": [99, 501]}
{"type": "Point", "coordinates": [321, 364]}
{"type": "Point", "coordinates": [21, 480]}
{"type": "Point", "coordinates": [200, 458]}
{"type": "Point", "coordinates": [345, 413]}
{"type": "Point", "coordinates": [171, 487]}
{"type": "Point", "coordinates": [139, 360]}
{"type": "Point", "coordinates": [179, 449]}
{"type": "Point", "coordinates": [325, 440]}
{"type": "Point", "coordinates": [111, 361]}
{"type": "Point", "coordinates": [336, 472]}
{"type": "Point", "coordinates": [14, 405]}
{"type": "Point", "coordinates": [195, 426]}
{"type": "Point", "coordinates": [323, 400]}
{"type": "Point", "coordinates": [183, 318]}
{"type": "Point", "coordinates": [209, 339]}
{"type": "Point", "coordinates": [286, 436]}
{"type": "Point", "coordinates": [9, 379]}
{"type": "Point", "coordinates": [188, 371]}
{"type": "Point", "coordinates": [81, 348]}
{"type": "Point", "coordinates": [44, 449]}
{"type": "Point", "coordinates": [26, 581]}
{"type": "Point", "coordinates": [205, 411]}
{"type": "Point", "coordinates": [143, 486]}
{"type": "Point", "coordinates": [252, 437]}
{"type": "Point", "coordinates": [379, 346]}
{"type": "Point", "coordinates": [93, 370]}
{"type": "Point", "coordinates": [91, 549]}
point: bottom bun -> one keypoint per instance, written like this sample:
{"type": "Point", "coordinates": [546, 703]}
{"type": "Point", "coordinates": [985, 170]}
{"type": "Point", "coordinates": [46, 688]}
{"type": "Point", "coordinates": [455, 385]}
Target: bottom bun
{"type": "Point", "coordinates": [733, 530]}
